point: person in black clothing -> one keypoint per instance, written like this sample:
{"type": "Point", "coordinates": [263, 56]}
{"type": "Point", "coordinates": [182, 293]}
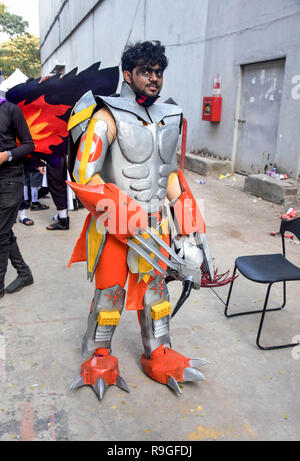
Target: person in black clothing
{"type": "Point", "coordinates": [56, 176]}
{"type": "Point", "coordinates": [12, 126]}
{"type": "Point", "coordinates": [34, 168]}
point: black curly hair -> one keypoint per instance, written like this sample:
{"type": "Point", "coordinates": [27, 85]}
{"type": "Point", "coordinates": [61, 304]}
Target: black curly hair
{"type": "Point", "coordinates": [144, 53]}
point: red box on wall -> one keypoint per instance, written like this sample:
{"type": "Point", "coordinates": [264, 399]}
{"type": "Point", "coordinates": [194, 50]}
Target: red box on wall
{"type": "Point", "coordinates": [212, 107]}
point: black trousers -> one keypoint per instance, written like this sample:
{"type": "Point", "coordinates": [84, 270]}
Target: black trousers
{"type": "Point", "coordinates": [56, 177]}
{"type": "Point", "coordinates": [11, 196]}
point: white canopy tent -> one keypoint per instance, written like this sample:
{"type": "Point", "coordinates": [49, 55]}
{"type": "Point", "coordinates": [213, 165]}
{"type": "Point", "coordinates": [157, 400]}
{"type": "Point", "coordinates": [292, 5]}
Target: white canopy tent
{"type": "Point", "coordinates": [14, 79]}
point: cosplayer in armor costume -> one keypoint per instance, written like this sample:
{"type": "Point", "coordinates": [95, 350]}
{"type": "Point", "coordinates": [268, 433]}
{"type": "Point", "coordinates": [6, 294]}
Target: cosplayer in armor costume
{"type": "Point", "coordinates": [125, 168]}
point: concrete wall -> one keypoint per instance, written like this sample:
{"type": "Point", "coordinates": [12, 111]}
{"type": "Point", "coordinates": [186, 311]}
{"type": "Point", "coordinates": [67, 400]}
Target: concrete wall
{"type": "Point", "coordinates": [60, 22]}
{"type": "Point", "coordinates": [255, 31]}
{"type": "Point", "coordinates": [202, 38]}
{"type": "Point", "coordinates": [103, 28]}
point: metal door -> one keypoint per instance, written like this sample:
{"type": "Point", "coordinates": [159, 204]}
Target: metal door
{"type": "Point", "coordinates": [259, 115]}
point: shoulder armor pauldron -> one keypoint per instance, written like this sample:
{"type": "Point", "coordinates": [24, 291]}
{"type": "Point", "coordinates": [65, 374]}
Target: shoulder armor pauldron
{"type": "Point", "coordinates": [81, 115]}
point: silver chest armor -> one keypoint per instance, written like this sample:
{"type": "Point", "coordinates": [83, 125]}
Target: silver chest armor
{"type": "Point", "coordinates": [143, 154]}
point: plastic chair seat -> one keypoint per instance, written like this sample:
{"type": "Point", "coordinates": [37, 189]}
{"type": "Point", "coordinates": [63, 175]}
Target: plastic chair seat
{"type": "Point", "coordinates": [267, 268]}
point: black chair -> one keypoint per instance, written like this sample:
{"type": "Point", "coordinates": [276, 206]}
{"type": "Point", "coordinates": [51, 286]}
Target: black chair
{"type": "Point", "coordinates": [268, 269]}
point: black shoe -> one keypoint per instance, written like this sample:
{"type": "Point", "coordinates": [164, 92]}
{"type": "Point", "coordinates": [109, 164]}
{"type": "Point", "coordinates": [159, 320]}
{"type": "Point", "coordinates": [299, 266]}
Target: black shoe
{"type": "Point", "coordinates": [60, 224]}
{"type": "Point", "coordinates": [19, 283]}
{"type": "Point", "coordinates": [2, 292]}
{"type": "Point", "coordinates": [37, 206]}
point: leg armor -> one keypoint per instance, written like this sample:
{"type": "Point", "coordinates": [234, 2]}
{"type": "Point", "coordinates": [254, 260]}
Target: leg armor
{"type": "Point", "coordinates": [163, 364]}
{"type": "Point", "coordinates": [155, 318]}
{"type": "Point", "coordinates": [106, 309]}
{"type": "Point", "coordinates": [101, 370]}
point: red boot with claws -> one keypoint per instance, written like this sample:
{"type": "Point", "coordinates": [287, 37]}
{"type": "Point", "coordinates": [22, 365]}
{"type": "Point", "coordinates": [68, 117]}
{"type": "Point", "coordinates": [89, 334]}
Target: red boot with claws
{"type": "Point", "coordinates": [169, 367]}
{"type": "Point", "coordinates": [100, 371]}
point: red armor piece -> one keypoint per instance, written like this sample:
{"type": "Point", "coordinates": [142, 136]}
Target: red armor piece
{"type": "Point", "coordinates": [100, 365]}
{"type": "Point", "coordinates": [120, 214]}
{"type": "Point", "coordinates": [165, 363]}
{"type": "Point", "coordinates": [96, 151]}
{"type": "Point", "coordinates": [188, 215]}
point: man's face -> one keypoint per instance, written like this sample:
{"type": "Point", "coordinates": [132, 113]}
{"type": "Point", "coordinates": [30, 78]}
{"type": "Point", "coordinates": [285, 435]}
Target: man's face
{"type": "Point", "coordinates": [146, 80]}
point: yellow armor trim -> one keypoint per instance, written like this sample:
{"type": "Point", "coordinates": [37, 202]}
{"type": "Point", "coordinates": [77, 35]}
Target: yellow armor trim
{"type": "Point", "coordinates": [165, 226]}
{"type": "Point", "coordinates": [109, 318]}
{"type": "Point", "coordinates": [160, 310]}
{"type": "Point", "coordinates": [146, 278]}
{"type": "Point", "coordinates": [79, 117]}
{"type": "Point", "coordinates": [172, 177]}
{"type": "Point", "coordinates": [94, 241]}
{"type": "Point", "coordinates": [86, 152]}
{"type": "Point", "coordinates": [143, 266]}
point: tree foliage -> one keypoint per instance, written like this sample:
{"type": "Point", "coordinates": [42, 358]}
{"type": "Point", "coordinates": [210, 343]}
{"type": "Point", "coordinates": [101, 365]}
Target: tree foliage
{"type": "Point", "coordinates": [22, 50]}
{"type": "Point", "coordinates": [11, 24]}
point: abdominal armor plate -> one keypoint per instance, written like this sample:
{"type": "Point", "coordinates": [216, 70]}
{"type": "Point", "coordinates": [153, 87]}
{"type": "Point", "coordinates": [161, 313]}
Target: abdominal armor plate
{"type": "Point", "coordinates": [142, 157]}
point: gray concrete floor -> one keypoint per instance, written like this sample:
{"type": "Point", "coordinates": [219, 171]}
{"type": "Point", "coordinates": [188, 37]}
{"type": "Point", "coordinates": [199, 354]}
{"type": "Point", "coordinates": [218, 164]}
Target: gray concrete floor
{"type": "Point", "coordinates": [248, 395]}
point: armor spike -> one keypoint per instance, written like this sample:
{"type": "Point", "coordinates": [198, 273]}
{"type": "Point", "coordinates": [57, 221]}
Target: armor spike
{"type": "Point", "coordinates": [173, 384]}
{"type": "Point", "coordinates": [146, 256]}
{"type": "Point", "coordinates": [78, 382]}
{"type": "Point", "coordinates": [198, 362]}
{"type": "Point", "coordinates": [100, 387]}
{"type": "Point", "coordinates": [165, 246]}
{"type": "Point", "coordinates": [120, 382]}
{"type": "Point", "coordinates": [186, 291]}
{"type": "Point", "coordinates": [146, 244]}
{"type": "Point", "coordinates": [191, 374]}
